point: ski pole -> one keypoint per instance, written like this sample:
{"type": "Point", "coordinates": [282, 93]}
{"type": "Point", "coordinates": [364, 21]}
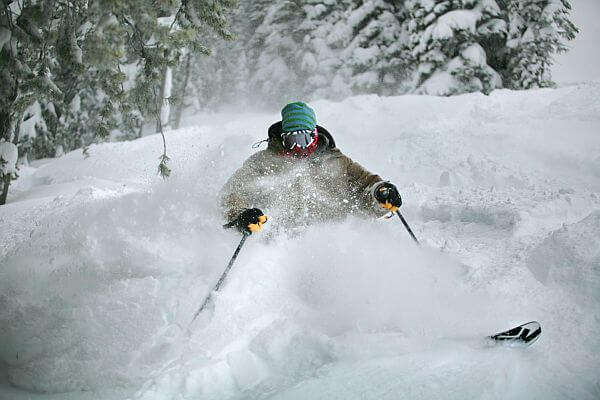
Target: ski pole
{"type": "Point", "coordinates": [223, 275]}
{"type": "Point", "coordinates": [410, 232]}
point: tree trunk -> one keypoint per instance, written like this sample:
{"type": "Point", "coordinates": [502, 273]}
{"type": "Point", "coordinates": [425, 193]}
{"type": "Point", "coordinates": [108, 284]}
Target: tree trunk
{"type": "Point", "coordinates": [5, 185]}
{"type": "Point", "coordinates": [165, 94]}
{"type": "Point", "coordinates": [186, 81]}
{"type": "Point", "coordinates": [18, 130]}
{"type": "Point", "coordinates": [5, 124]}
{"type": "Point", "coordinates": [7, 178]}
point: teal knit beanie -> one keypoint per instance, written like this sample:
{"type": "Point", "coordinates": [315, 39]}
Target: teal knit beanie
{"type": "Point", "coordinates": [297, 117]}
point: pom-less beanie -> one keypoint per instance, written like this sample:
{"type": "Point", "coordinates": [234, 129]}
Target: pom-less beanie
{"type": "Point", "coordinates": [297, 117]}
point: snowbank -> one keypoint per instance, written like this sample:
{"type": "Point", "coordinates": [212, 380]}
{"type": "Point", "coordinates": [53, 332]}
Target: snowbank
{"type": "Point", "coordinates": [103, 264]}
{"type": "Point", "coordinates": [569, 258]}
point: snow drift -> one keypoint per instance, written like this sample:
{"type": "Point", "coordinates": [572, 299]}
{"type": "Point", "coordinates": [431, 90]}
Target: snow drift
{"type": "Point", "coordinates": [103, 264]}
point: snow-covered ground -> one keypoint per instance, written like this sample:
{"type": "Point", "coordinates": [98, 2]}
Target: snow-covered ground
{"type": "Point", "coordinates": [102, 264]}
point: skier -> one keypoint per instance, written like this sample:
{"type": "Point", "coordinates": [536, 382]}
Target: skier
{"type": "Point", "coordinates": [303, 178]}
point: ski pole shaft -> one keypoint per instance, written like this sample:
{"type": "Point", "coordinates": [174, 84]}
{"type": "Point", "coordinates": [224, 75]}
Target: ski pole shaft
{"type": "Point", "coordinates": [410, 232]}
{"type": "Point", "coordinates": [223, 276]}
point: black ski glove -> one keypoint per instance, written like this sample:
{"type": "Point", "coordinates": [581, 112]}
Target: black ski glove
{"type": "Point", "coordinates": [388, 197]}
{"type": "Point", "coordinates": [249, 221]}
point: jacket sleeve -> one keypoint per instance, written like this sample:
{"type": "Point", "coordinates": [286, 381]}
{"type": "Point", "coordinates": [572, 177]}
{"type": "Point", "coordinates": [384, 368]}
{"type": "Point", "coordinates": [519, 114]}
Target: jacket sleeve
{"type": "Point", "coordinates": [237, 193]}
{"type": "Point", "coordinates": [362, 184]}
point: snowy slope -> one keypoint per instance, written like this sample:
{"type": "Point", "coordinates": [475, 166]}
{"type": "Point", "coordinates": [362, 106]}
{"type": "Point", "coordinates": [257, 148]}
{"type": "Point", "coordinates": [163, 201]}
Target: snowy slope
{"type": "Point", "coordinates": [102, 264]}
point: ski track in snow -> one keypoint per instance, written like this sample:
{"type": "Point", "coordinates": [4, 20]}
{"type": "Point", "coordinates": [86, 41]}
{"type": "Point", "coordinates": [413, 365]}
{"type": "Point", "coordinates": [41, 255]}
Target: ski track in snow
{"type": "Point", "coordinates": [102, 264]}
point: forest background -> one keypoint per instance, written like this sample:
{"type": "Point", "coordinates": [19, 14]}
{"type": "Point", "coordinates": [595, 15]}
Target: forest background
{"type": "Point", "coordinates": [84, 71]}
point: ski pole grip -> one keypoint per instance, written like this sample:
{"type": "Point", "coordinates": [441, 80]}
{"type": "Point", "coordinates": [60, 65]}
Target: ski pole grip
{"type": "Point", "coordinates": [232, 225]}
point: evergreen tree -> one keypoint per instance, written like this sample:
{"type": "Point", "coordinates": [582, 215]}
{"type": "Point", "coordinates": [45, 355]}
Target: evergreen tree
{"type": "Point", "coordinates": [26, 36]}
{"type": "Point", "coordinates": [220, 78]}
{"type": "Point", "coordinates": [79, 59]}
{"type": "Point", "coordinates": [446, 37]}
{"type": "Point", "coordinates": [71, 120]}
{"type": "Point", "coordinates": [537, 30]}
{"type": "Point", "coordinates": [308, 49]}
{"type": "Point", "coordinates": [280, 55]}
{"type": "Point", "coordinates": [377, 62]}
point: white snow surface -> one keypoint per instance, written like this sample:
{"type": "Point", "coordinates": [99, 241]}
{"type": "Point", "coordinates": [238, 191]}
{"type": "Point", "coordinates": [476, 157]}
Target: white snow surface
{"type": "Point", "coordinates": [452, 21]}
{"type": "Point", "coordinates": [103, 264]}
{"type": "Point", "coordinates": [475, 55]}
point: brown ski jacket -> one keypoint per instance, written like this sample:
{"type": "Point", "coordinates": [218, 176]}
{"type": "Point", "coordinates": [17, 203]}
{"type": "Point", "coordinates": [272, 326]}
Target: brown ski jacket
{"type": "Point", "coordinates": [296, 192]}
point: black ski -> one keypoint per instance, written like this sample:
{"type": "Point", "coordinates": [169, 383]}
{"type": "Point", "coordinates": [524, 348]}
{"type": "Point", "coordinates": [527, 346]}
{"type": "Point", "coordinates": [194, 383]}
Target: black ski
{"type": "Point", "coordinates": [524, 334]}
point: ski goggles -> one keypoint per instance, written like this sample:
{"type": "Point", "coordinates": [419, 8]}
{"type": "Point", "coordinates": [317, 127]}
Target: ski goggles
{"type": "Point", "coordinates": [298, 139]}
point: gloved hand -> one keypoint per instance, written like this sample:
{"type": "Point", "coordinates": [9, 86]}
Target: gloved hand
{"type": "Point", "coordinates": [249, 221]}
{"type": "Point", "coordinates": [388, 197]}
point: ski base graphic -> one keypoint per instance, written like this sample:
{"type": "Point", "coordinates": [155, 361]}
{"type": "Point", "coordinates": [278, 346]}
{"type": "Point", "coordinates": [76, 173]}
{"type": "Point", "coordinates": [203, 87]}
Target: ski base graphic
{"type": "Point", "coordinates": [524, 334]}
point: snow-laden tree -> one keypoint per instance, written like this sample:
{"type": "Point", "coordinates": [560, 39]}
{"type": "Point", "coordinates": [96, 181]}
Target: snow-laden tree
{"type": "Point", "coordinates": [220, 74]}
{"type": "Point", "coordinates": [328, 49]}
{"type": "Point", "coordinates": [26, 37]}
{"type": "Point", "coordinates": [27, 34]}
{"type": "Point", "coordinates": [218, 77]}
{"type": "Point", "coordinates": [290, 49]}
{"type": "Point", "coordinates": [281, 56]}
{"type": "Point", "coordinates": [537, 29]}
{"type": "Point", "coordinates": [156, 37]}
{"type": "Point", "coordinates": [94, 66]}
{"type": "Point", "coordinates": [73, 119]}
{"type": "Point", "coordinates": [371, 43]}
{"type": "Point", "coordinates": [446, 41]}
{"type": "Point", "coordinates": [274, 58]}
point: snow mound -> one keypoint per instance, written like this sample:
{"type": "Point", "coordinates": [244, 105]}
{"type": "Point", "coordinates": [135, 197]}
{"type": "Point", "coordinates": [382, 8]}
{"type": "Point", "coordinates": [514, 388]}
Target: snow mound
{"type": "Point", "coordinates": [498, 216]}
{"type": "Point", "coordinates": [296, 314]}
{"type": "Point", "coordinates": [90, 285]}
{"type": "Point", "coordinates": [569, 258]}
{"type": "Point", "coordinates": [102, 264]}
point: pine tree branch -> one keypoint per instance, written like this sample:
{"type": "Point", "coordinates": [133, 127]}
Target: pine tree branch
{"type": "Point", "coordinates": [9, 14]}
{"type": "Point", "coordinates": [184, 4]}
{"type": "Point", "coordinates": [163, 170]}
{"type": "Point", "coordinates": [136, 34]}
